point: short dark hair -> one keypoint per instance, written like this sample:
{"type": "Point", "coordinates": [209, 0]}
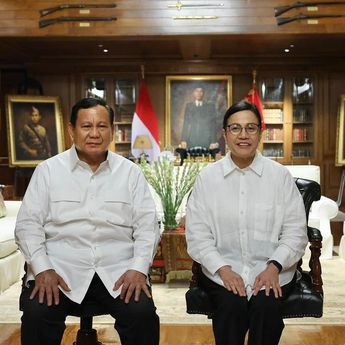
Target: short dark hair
{"type": "Point", "coordinates": [240, 106]}
{"type": "Point", "coordinates": [87, 103]}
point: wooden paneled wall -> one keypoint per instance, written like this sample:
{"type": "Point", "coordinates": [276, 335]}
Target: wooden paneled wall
{"type": "Point", "coordinates": [154, 17]}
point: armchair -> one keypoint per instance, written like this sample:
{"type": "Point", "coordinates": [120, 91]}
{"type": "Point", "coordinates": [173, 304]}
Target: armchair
{"type": "Point", "coordinates": [306, 300]}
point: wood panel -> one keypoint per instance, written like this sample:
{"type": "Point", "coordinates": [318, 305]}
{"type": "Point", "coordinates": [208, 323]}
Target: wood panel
{"type": "Point", "coordinates": [153, 17]}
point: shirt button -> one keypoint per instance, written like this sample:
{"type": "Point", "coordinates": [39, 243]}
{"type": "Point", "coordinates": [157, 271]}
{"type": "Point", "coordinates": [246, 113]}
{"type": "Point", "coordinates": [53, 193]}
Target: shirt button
{"type": "Point", "coordinates": [241, 212]}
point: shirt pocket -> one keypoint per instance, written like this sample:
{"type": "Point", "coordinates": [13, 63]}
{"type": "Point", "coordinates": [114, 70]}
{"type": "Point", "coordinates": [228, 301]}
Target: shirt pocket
{"type": "Point", "coordinates": [118, 210]}
{"type": "Point", "coordinates": [65, 204]}
{"type": "Point", "coordinates": [268, 219]}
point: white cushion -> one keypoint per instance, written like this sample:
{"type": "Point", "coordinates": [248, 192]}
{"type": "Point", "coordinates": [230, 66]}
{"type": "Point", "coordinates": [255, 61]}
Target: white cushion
{"type": "Point", "coordinates": [12, 207]}
{"type": "Point", "coordinates": [324, 208]}
{"type": "Point", "coordinates": [310, 172]}
{"type": "Point", "coordinates": [7, 244]}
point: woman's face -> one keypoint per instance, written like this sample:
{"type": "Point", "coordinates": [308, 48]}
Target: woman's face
{"type": "Point", "coordinates": [243, 145]}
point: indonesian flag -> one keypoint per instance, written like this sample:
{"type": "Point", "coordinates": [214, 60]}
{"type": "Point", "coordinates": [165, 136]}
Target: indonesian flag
{"type": "Point", "coordinates": [253, 97]}
{"type": "Point", "coordinates": [145, 124]}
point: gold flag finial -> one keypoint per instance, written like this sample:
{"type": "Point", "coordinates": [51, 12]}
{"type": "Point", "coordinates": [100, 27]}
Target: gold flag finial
{"type": "Point", "coordinates": [142, 71]}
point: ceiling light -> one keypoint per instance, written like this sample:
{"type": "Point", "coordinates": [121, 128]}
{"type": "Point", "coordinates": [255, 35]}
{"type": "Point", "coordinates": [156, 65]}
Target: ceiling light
{"type": "Point", "coordinates": [286, 50]}
{"type": "Point", "coordinates": [105, 50]}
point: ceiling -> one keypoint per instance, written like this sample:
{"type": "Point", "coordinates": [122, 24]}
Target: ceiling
{"type": "Point", "coordinates": [24, 50]}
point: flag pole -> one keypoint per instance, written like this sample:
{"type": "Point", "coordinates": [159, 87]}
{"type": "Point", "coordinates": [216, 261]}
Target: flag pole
{"type": "Point", "coordinates": [254, 77]}
{"type": "Point", "coordinates": [142, 67]}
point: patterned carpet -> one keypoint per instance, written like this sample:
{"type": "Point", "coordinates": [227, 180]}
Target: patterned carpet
{"type": "Point", "coordinates": [169, 299]}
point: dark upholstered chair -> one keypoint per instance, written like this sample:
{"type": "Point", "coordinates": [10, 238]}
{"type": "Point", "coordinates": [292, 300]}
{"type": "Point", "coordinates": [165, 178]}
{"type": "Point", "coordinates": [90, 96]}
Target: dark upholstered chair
{"type": "Point", "coordinates": [306, 300]}
{"type": "Point", "coordinates": [86, 334]}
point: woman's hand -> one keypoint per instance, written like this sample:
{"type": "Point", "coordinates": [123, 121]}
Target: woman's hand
{"type": "Point", "coordinates": [232, 280]}
{"type": "Point", "coordinates": [269, 278]}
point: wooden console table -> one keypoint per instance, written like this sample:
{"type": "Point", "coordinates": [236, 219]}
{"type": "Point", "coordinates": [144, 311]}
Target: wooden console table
{"type": "Point", "coordinates": [171, 261]}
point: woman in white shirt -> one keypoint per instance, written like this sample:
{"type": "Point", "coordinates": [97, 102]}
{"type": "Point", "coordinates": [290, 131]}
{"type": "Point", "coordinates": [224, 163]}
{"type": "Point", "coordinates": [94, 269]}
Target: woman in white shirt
{"type": "Point", "coordinates": [246, 226]}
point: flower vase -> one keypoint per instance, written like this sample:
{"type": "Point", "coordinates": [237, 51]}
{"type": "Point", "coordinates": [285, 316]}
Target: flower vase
{"type": "Point", "coordinates": [170, 222]}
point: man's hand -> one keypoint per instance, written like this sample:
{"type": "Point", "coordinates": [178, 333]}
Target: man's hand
{"type": "Point", "coordinates": [132, 281]}
{"type": "Point", "coordinates": [232, 280]}
{"type": "Point", "coordinates": [46, 283]}
{"type": "Point", "coordinates": [269, 278]}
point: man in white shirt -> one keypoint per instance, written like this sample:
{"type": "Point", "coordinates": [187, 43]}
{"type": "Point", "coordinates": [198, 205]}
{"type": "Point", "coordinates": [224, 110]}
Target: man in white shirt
{"type": "Point", "coordinates": [87, 228]}
{"type": "Point", "coordinates": [246, 226]}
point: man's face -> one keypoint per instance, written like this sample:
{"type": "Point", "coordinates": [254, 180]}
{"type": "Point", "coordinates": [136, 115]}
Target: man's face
{"type": "Point", "coordinates": [35, 116]}
{"type": "Point", "coordinates": [92, 133]}
{"type": "Point", "coordinates": [243, 145]}
{"type": "Point", "coordinates": [198, 94]}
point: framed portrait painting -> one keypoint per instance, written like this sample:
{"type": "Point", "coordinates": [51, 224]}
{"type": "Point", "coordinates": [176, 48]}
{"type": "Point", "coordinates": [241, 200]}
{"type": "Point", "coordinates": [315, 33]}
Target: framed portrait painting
{"type": "Point", "coordinates": [195, 106]}
{"type": "Point", "coordinates": [34, 129]}
{"type": "Point", "coordinates": [340, 142]}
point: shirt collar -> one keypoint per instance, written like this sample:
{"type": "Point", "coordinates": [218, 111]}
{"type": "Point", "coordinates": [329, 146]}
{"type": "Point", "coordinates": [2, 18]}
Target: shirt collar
{"type": "Point", "coordinates": [229, 166]}
{"type": "Point", "coordinates": [74, 159]}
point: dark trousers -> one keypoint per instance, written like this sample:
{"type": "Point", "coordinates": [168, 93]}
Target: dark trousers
{"type": "Point", "coordinates": [235, 315]}
{"type": "Point", "coordinates": [136, 322]}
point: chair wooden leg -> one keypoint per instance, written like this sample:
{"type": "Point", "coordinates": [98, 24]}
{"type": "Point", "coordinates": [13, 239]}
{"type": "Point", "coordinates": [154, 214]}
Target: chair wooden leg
{"type": "Point", "coordinates": [86, 334]}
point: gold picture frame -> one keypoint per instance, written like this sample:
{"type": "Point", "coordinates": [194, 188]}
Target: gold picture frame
{"type": "Point", "coordinates": [340, 142]}
{"type": "Point", "coordinates": [34, 129]}
{"type": "Point", "coordinates": [217, 91]}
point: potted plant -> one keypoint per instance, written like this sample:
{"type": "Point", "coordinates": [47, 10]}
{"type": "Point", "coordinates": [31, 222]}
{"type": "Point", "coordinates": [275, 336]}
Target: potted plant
{"type": "Point", "coordinates": [171, 183]}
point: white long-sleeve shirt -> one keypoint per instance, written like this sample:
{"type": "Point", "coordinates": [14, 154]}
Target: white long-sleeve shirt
{"type": "Point", "coordinates": [245, 217]}
{"type": "Point", "coordinates": [79, 222]}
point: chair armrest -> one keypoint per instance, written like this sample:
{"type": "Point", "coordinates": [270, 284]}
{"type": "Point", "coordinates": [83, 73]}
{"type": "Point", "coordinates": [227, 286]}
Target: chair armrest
{"type": "Point", "coordinates": [314, 234]}
{"type": "Point", "coordinates": [315, 240]}
{"type": "Point", "coordinates": [196, 273]}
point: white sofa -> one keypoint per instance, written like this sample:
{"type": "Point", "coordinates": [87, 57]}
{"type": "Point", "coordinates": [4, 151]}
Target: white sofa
{"type": "Point", "coordinates": [11, 260]}
{"type": "Point", "coordinates": [322, 211]}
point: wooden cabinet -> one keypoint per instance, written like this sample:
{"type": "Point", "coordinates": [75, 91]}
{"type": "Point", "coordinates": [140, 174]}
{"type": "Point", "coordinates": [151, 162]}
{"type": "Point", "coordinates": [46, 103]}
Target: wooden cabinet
{"type": "Point", "coordinates": [120, 92]}
{"type": "Point", "coordinates": [288, 105]}
{"type": "Point", "coordinates": [302, 118]}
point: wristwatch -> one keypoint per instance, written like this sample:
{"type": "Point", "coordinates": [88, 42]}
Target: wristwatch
{"type": "Point", "coordinates": [275, 263]}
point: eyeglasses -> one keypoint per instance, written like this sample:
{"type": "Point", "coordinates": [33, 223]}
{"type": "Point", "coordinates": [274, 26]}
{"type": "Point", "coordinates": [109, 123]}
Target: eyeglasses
{"type": "Point", "coordinates": [250, 128]}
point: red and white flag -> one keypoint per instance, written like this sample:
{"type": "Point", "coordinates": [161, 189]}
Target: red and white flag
{"type": "Point", "coordinates": [145, 124]}
{"type": "Point", "coordinates": [254, 98]}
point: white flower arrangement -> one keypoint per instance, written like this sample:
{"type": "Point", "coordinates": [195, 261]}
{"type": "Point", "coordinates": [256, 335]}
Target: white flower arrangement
{"type": "Point", "coordinates": [171, 184]}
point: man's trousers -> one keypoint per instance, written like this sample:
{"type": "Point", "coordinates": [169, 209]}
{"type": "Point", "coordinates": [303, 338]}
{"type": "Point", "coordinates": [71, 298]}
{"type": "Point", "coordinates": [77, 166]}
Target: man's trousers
{"type": "Point", "coordinates": [136, 322]}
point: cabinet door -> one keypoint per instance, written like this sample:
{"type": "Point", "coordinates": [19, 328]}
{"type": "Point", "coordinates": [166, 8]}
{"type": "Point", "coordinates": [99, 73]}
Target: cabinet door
{"type": "Point", "coordinates": [272, 92]}
{"type": "Point", "coordinates": [120, 93]}
{"type": "Point", "coordinates": [303, 118]}
{"type": "Point", "coordinates": [125, 93]}
{"type": "Point", "coordinates": [288, 106]}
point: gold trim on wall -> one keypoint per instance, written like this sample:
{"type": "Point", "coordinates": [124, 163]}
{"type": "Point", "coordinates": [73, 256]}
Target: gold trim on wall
{"type": "Point", "coordinates": [340, 143]}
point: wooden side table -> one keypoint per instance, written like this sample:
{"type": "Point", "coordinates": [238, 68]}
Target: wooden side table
{"type": "Point", "coordinates": [177, 262]}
